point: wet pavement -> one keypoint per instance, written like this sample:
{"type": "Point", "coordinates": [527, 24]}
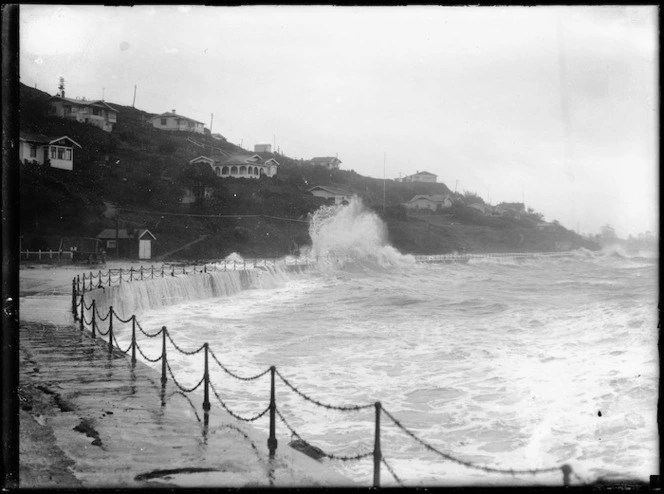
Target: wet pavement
{"type": "Point", "coordinates": [118, 427]}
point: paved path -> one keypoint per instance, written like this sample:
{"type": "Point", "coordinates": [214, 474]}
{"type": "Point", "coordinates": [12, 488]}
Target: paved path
{"type": "Point", "coordinates": [111, 425]}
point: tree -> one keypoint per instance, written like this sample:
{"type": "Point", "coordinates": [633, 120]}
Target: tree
{"type": "Point", "coordinates": [607, 232]}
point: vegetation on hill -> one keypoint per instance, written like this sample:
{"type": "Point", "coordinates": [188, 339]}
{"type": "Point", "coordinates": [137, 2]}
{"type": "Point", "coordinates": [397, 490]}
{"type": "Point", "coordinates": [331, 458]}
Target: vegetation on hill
{"type": "Point", "coordinates": [135, 177]}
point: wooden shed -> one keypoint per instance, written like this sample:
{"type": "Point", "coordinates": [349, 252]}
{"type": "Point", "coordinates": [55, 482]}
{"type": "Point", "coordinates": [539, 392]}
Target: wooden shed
{"type": "Point", "coordinates": [128, 244]}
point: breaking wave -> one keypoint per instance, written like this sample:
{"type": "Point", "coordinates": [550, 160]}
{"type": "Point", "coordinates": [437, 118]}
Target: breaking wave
{"type": "Point", "coordinates": [354, 233]}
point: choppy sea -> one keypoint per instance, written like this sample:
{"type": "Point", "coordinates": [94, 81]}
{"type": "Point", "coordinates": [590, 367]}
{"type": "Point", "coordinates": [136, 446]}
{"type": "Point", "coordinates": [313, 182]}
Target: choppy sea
{"type": "Point", "coordinates": [523, 364]}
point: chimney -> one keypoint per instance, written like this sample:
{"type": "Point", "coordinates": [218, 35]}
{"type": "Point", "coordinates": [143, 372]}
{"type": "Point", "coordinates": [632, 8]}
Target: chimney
{"type": "Point", "coordinates": [173, 112]}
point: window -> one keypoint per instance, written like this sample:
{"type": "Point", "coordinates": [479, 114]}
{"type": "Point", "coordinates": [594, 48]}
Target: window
{"type": "Point", "coordinates": [54, 152]}
{"type": "Point", "coordinates": [68, 154]}
{"type": "Point", "coordinates": [191, 124]}
{"type": "Point", "coordinates": [96, 111]}
{"type": "Point", "coordinates": [163, 122]}
{"type": "Point", "coordinates": [61, 153]}
{"type": "Point", "coordinates": [110, 244]}
{"type": "Point", "coordinates": [33, 151]}
{"type": "Point", "coordinates": [67, 109]}
{"type": "Point", "coordinates": [217, 170]}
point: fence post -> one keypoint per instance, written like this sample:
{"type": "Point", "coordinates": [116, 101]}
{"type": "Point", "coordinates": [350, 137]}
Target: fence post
{"type": "Point", "coordinates": [172, 270]}
{"type": "Point", "coordinates": [109, 277]}
{"type": "Point", "coordinates": [377, 455]}
{"type": "Point", "coordinates": [120, 275]}
{"type": "Point", "coordinates": [82, 315]}
{"type": "Point", "coordinates": [94, 302]}
{"type": "Point", "coordinates": [272, 439]}
{"type": "Point", "coordinates": [141, 273]}
{"type": "Point", "coordinates": [78, 282]}
{"type": "Point", "coordinates": [163, 357]}
{"type": "Point", "coordinates": [131, 273]}
{"type": "Point", "coordinates": [206, 390]}
{"type": "Point", "coordinates": [205, 268]}
{"type": "Point", "coordinates": [152, 270]}
{"type": "Point", "coordinates": [91, 285]}
{"type": "Point", "coordinates": [110, 329]}
{"type": "Point", "coordinates": [73, 297]}
{"type": "Point", "coordinates": [133, 340]}
{"type": "Point", "coordinates": [162, 270]}
{"type": "Point", "coordinates": [83, 282]}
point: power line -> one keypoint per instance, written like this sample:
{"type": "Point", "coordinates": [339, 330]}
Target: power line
{"type": "Point", "coordinates": [214, 215]}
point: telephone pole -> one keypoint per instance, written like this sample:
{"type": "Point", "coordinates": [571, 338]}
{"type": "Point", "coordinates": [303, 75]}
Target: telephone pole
{"type": "Point", "coordinates": [384, 157]}
{"type": "Point", "coordinates": [133, 103]}
{"type": "Point", "coordinates": [211, 118]}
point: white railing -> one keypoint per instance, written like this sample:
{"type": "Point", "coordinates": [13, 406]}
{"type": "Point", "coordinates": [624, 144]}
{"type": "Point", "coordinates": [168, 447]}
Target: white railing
{"type": "Point", "coordinates": [46, 254]}
{"type": "Point", "coordinates": [496, 255]}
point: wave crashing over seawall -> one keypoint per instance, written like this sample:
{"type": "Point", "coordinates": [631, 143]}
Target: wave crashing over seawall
{"type": "Point", "coordinates": [351, 231]}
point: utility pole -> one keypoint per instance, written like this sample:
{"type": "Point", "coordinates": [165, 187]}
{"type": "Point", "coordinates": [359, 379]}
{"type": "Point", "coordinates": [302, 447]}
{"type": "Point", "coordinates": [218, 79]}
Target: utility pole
{"type": "Point", "coordinates": [117, 234]}
{"type": "Point", "coordinates": [384, 157]}
{"type": "Point", "coordinates": [211, 117]}
{"type": "Point", "coordinates": [133, 103]}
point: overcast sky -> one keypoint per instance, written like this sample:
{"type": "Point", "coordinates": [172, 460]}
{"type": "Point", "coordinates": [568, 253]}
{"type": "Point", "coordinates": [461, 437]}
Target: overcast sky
{"type": "Point", "coordinates": [557, 106]}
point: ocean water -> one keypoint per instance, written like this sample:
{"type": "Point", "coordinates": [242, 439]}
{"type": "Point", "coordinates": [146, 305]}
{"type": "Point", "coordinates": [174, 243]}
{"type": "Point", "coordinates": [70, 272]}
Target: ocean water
{"type": "Point", "coordinates": [510, 364]}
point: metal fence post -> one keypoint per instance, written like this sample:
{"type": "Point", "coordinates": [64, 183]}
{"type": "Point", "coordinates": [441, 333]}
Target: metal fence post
{"type": "Point", "coordinates": [131, 273]}
{"type": "Point", "coordinates": [82, 315]}
{"type": "Point", "coordinates": [83, 282]}
{"type": "Point", "coordinates": [73, 297]}
{"type": "Point", "coordinates": [377, 455]}
{"type": "Point", "coordinates": [133, 340]}
{"type": "Point", "coordinates": [206, 390]}
{"type": "Point", "coordinates": [110, 329]}
{"type": "Point", "coordinates": [141, 273]}
{"type": "Point", "coordinates": [152, 270]}
{"type": "Point", "coordinates": [163, 357]}
{"type": "Point", "coordinates": [91, 285]}
{"type": "Point", "coordinates": [109, 277]}
{"type": "Point", "coordinates": [78, 282]}
{"type": "Point", "coordinates": [94, 310]}
{"type": "Point", "coordinates": [272, 439]}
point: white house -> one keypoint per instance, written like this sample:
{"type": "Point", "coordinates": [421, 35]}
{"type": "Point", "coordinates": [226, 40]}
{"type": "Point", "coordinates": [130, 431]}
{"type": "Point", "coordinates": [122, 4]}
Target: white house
{"type": "Point", "coordinates": [419, 177]}
{"type": "Point", "coordinates": [96, 112]}
{"type": "Point", "coordinates": [332, 194]}
{"type": "Point", "coordinates": [241, 166]}
{"type": "Point", "coordinates": [331, 163]}
{"type": "Point", "coordinates": [58, 152]}
{"type": "Point", "coordinates": [432, 202]}
{"type": "Point", "coordinates": [173, 121]}
{"type": "Point", "coordinates": [262, 148]}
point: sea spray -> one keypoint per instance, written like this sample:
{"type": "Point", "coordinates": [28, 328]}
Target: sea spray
{"type": "Point", "coordinates": [352, 232]}
{"type": "Point", "coordinates": [134, 298]}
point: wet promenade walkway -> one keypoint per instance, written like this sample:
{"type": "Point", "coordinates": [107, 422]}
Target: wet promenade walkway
{"type": "Point", "coordinates": [119, 429]}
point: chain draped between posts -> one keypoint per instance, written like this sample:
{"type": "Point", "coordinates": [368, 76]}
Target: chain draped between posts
{"type": "Point", "coordinates": [79, 302]}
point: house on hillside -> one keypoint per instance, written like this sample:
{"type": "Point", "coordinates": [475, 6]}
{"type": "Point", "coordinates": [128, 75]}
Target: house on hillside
{"type": "Point", "coordinates": [197, 192]}
{"type": "Point", "coordinates": [334, 195]}
{"type": "Point", "coordinates": [96, 112]}
{"type": "Point", "coordinates": [433, 202]}
{"type": "Point", "coordinates": [511, 209]}
{"type": "Point", "coordinates": [240, 166]}
{"type": "Point", "coordinates": [173, 121]}
{"type": "Point", "coordinates": [482, 207]}
{"type": "Point", "coordinates": [263, 148]}
{"type": "Point", "coordinates": [419, 177]}
{"type": "Point", "coordinates": [56, 152]}
{"type": "Point", "coordinates": [329, 162]}
{"type": "Point", "coordinates": [128, 244]}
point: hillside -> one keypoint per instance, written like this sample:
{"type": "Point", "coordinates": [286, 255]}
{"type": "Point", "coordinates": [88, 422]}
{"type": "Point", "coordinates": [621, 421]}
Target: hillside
{"type": "Point", "coordinates": [141, 171]}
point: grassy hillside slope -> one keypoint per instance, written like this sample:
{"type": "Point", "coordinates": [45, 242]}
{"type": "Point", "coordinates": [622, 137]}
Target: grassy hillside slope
{"type": "Point", "coordinates": [134, 176]}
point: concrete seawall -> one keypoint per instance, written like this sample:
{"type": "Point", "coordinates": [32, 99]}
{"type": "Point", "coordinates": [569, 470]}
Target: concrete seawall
{"type": "Point", "coordinates": [117, 428]}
